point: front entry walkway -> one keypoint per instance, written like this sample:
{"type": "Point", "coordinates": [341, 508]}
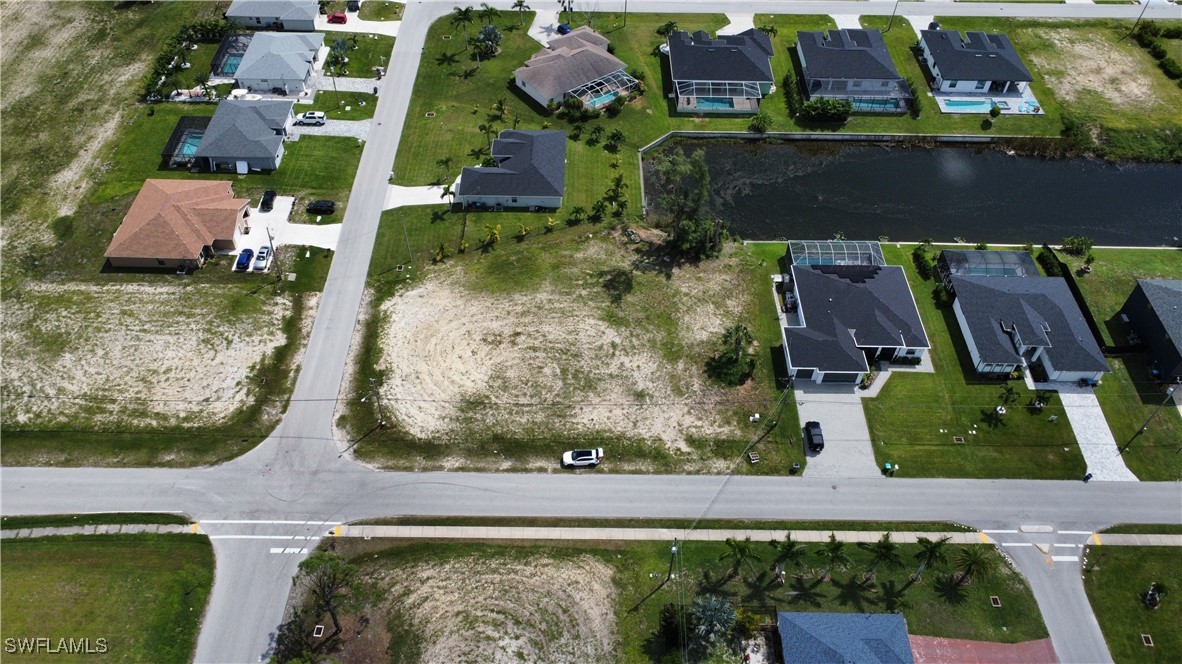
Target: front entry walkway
{"type": "Point", "coordinates": [848, 451]}
{"type": "Point", "coordinates": [1095, 439]}
{"type": "Point", "coordinates": [354, 24]}
{"type": "Point", "coordinates": [544, 26]}
{"type": "Point", "coordinates": [397, 196]}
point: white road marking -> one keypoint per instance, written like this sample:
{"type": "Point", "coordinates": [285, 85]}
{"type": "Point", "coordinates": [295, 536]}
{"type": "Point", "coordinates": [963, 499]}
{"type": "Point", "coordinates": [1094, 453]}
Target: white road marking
{"type": "Point", "coordinates": [267, 537]}
{"type": "Point", "coordinates": [1016, 544]}
{"type": "Point", "coordinates": [999, 531]}
{"type": "Point", "coordinates": [1065, 558]}
{"type": "Point", "coordinates": [1075, 532]}
{"type": "Point", "coordinates": [295, 523]}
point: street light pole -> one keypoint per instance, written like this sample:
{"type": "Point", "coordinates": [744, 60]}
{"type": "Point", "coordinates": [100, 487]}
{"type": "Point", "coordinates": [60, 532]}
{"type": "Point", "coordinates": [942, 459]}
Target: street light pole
{"type": "Point", "coordinates": [892, 21]}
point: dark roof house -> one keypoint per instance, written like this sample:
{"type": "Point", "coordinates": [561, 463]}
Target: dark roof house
{"type": "Point", "coordinates": [250, 131]}
{"type": "Point", "coordinates": [977, 57]}
{"type": "Point", "coordinates": [728, 69]}
{"type": "Point", "coordinates": [1154, 312]}
{"type": "Point", "coordinates": [851, 64]}
{"type": "Point", "coordinates": [530, 170]}
{"type": "Point", "coordinates": [844, 638]}
{"type": "Point", "coordinates": [1006, 320]}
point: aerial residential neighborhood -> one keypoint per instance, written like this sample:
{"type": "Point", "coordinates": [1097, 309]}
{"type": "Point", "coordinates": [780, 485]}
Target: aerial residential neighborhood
{"type": "Point", "coordinates": [361, 330]}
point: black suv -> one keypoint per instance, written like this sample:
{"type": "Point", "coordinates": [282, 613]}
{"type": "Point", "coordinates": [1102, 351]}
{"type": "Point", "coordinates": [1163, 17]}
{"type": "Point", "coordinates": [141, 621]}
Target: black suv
{"type": "Point", "coordinates": [322, 207]}
{"type": "Point", "coordinates": [813, 436]}
{"type": "Point", "coordinates": [268, 202]}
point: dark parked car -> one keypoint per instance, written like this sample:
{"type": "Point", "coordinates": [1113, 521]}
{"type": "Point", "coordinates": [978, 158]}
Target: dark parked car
{"type": "Point", "coordinates": [244, 259]}
{"type": "Point", "coordinates": [322, 207]}
{"type": "Point", "coordinates": [813, 436]}
{"type": "Point", "coordinates": [563, 29]}
{"type": "Point", "coordinates": [268, 202]}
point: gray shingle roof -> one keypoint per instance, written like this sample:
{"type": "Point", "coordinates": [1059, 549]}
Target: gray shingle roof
{"type": "Point", "coordinates": [280, 55]}
{"type": "Point", "coordinates": [849, 307]}
{"type": "Point", "coordinates": [844, 638]}
{"type": "Point", "coordinates": [570, 62]}
{"type": "Point", "coordinates": [285, 10]}
{"type": "Point", "coordinates": [745, 56]}
{"type": "Point", "coordinates": [977, 57]}
{"type": "Point", "coordinates": [846, 54]}
{"type": "Point", "coordinates": [1042, 312]}
{"type": "Point", "coordinates": [245, 129]}
{"type": "Point", "coordinates": [530, 163]}
{"type": "Point", "coordinates": [1165, 295]}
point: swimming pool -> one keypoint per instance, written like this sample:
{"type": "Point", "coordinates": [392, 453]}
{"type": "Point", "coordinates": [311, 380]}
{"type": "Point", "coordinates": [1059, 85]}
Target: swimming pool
{"type": "Point", "coordinates": [706, 103]}
{"type": "Point", "coordinates": [970, 105]}
{"type": "Point", "coordinates": [230, 66]}
{"type": "Point", "coordinates": [189, 143]}
{"type": "Point", "coordinates": [602, 99]}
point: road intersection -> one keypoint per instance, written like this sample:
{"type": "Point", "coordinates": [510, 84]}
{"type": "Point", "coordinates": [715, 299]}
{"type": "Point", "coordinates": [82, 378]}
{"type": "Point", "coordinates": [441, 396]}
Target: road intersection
{"type": "Point", "coordinates": [265, 510]}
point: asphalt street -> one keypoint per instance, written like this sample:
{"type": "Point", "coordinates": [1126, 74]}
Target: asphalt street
{"type": "Point", "coordinates": [265, 510]}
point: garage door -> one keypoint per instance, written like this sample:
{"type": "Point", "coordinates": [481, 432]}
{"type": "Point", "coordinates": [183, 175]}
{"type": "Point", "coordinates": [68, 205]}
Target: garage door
{"type": "Point", "coordinates": [833, 377]}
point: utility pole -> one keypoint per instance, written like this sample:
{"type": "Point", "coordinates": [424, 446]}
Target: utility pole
{"type": "Point", "coordinates": [625, 13]}
{"type": "Point", "coordinates": [1169, 394]}
{"type": "Point", "coordinates": [1144, 6]}
{"type": "Point", "coordinates": [892, 21]}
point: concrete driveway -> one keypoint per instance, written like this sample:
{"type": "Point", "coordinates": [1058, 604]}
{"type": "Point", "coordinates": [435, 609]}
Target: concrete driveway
{"type": "Point", "coordinates": [354, 24]}
{"type": "Point", "coordinates": [848, 451]}
{"type": "Point", "coordinates": [347, 128]}
{"type": "Point", "coordinates": [274, 228]}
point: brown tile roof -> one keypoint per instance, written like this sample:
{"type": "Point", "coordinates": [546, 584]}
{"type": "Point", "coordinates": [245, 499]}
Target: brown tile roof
{"type": "Point", "coordinates": [177, 219]}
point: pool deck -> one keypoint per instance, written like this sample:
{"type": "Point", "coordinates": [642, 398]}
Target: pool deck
{"type": "Point", "coordinates": [1013, 103]}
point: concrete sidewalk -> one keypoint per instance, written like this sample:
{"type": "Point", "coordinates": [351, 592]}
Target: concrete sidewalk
{"type": "Point", "coordinates": [738, 23]}
{"type": "Point", "coordinates": [116, 529]}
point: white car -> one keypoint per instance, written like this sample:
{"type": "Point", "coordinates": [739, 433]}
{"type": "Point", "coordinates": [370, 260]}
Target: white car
{"type": "Point", "coordinates": [260, 261]}
{"type": "Point", "coordinates": [316, 118]}
{"type": "Point", "coordinates": [582, 458]}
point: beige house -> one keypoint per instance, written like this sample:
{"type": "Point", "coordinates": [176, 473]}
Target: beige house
{"type": "Point", "coordinates": [178, 224]}
{"type": "Point", "coordinates": [575, 65]}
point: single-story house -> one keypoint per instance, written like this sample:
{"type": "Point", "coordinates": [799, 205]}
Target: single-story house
{"type": "Point", "coordinates": [854, 65]}
{"type": "Point", "coordinates": [865, 638]}
{"type": "Point", "coordinates": [299, 15]}
{"type": "Point", "coordinates": [1154, 311]}
{"type": "Point", "coordinates": [978, 63]}
{"type": "Point", "coordinates": [727, 74]}
{"type": "Point", "coordinates": [530, 172]}
{"type": "Point", "coordinates": [178, 224]}
{"type": "Point", "coordinates": [844, 309]}
{"type": "Point", "coordinates": [280, 63]}
{"type": "Point", "coordinates": [245, 135]}
{"type": "Point", "coordinates": [1009, 322]}
{"type": "Point", "coordinates": [575, 65]}
{"type": "Point", "coordinates": [981, 263]}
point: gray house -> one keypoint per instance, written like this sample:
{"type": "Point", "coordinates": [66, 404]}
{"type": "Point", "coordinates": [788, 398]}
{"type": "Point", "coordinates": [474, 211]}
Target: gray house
{"type": "Point", "coordinates": [1154, 311]}
{"type": "Point", "coordinates": [728, 74]}
{"type": "Point", "coordinates": [530, 172]}
{"type": "Point", "coordinates": [978, 63]}
{"type": "Point", "coordinates": [245, 135]}
{"type": "Point", "coordinates": [275, 14]}
{"type": "Point", "coordinates": [577, 64]}
{"type": "Point", "coordinates": [279, 62]}
{"type": "Point", "coordinates": [853, 65]}
{"type": "Point", "coordinates": [1010, 322]}
{"type": "Point", "coordinates": [844, 309]}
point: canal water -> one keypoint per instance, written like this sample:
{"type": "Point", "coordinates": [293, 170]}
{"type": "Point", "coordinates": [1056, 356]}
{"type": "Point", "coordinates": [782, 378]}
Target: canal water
{"type": "Point", "coordinates": [813, 190]}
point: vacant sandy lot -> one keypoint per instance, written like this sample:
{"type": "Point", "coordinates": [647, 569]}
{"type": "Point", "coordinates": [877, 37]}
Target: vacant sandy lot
{"type": "Point", "coordinates": [505, 610]}
{"type": "Point", "coordinates": [1112, 72]}
{"type": "Point", "coordinates": [133, 354]}
{"type": "Point", "coordinates": [558, 358]}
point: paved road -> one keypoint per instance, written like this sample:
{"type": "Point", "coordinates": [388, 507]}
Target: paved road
{"type": "Point", "coordinates": [262, 508]}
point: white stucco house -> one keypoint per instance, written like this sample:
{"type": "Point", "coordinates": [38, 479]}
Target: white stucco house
{"type": "Point", "coordinates": [297, 15]}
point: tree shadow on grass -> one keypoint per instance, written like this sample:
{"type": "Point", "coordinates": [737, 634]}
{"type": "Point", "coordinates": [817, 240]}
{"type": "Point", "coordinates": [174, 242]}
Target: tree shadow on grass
{"type": "Point", "coordinates": [992, 419]}
{"type": "Point", "coordinates": [617, 282]}
{"type": "Point", "coordinates": [853, 593]}
{"type": "Point", "coordinates": [949, 590]}
{"type": "Point", "coordinates": [446, 59]}
{"type": "Point", "coordinates": [759, 590]}
{"type": "Point", "coordinates": [805, 593]}
{"type": "Point", "coordinates": [894, 596]}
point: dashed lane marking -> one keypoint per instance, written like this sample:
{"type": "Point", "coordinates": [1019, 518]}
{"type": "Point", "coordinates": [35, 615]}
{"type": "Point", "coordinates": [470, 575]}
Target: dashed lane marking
{"type": "Point", "coordinates": [1064, 558]}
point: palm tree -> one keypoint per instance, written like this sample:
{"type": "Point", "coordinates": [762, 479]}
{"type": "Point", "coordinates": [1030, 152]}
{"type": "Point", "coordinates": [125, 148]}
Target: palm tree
{"type": "Point", "coordinates": [739, 552]}
{"type": "Point", "coordinates": [930, 552]}
{"type": "Point", "coordinates": [201, 79]}
{"type": "Point", "coordinates": [788, 554]}
{"type": "Point", "coordinates": [492, 234]}
{"type": "Point", "coordinates": [974, 561]}
{"type": "Point", "coordinates": [596, 133]}
{"type": "Point", "coordinates": [883, 552]}
{"type": "Point", "coordinates": [666, 29]}
{"type": "Point", "coordinates": [463, 18]}
{"type": "Point", "coordinates": [769, 30]}
{"type": "Point", "coordinates": [488, 130]}
{"type": "Point", "coordinates": [760, 122]}
{"type": "Point", "coordinates": [578, 212]}
{"type": "Point", "coordinates": [488, 14]}
{"type": "Point", "coordinates": [445, 164]}
{"type": "Point", "coordinates": [737, 338]}
{"type": "Point", "coordinates": [488, 41]}
{"type": "Point", "coordinates": [521, 8]}
{"type": "Point", "coordinates": [833, 554]}
{"type": "Point", "coordinates": [447, 192]}
{"type": "Point", "coordinates": [499, 107]}
{"type": "Point", "coordinates": [616, 137]}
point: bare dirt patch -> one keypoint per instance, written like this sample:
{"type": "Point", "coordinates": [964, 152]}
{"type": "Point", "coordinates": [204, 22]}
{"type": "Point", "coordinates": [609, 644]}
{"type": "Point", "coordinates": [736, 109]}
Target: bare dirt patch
{"type": "Point", "coordinates": [1111, 71]}
{"type": "Point", "coordinates": [133, 354]}
{"type": "Point", "coordinates": [557, 359]}
{"type": "Point", "coordinates": [507, 610]}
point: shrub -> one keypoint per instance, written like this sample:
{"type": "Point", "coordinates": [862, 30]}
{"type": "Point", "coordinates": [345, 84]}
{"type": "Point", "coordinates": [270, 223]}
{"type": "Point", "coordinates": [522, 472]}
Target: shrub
{"type": "Point", "coordinates": [995, 111]}
{"type": "Point", "coordinates": [1078, 245]}
{"type": "Point", "coordinates": [1156, 50]}
{"type": "Point", "coordinates": [916, 108]}
{"type": "Point", "coordinates": [1171, 68]}
{"type": "Point", "coordinates": [1172, 32]}
{"type": "Point", "coordinates": [615, 106]}
{"type": "Point", "coordinates": [637, 74]}
{"type": "Point", "coordinates": [1149, 28]}
{"type": "Point", "coordinates": [746, 623]}
{"type": "Point", "coordinates": [792, 96]}
{"type": "Point", "coordinates": [1049, 263]}
{"type": "Point", "coordinates": [924, 263]}
{"type": "Point", "coordinates": [834, 111]}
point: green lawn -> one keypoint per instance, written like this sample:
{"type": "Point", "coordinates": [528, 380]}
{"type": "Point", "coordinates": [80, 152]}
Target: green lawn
{"type": "Point", "coordinates": [558, 260]}
{"type": "Point", "coordinates": [380, 10]}
{"type": "Point", "coordinates": [143, 595]}
{"type": "Point", "coordinates": [1129, 397]}
{"type": "Point", "coordinates": [1113, 277]}
{"type": "Point", "coordinates": [359, 104]}
{"type": "Point", "coordinates": [934, 607]}
{"type": "Point", "coordinates": [68, 520]}
{"type": "Point", "coordinates": [914, 418]}
{"type": "Point", "coordinates": [200, 61]}
{"type": "Point", "coordinates": [1145, 529]}
{"type": "Point", "coordinates": [1116, 579]}
{"type": "Point", "coordinates": [366, 52]}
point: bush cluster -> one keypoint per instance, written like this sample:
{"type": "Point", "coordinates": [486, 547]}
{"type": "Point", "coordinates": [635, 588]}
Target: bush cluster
{"type": "Point", "coordinates": [826, 110]}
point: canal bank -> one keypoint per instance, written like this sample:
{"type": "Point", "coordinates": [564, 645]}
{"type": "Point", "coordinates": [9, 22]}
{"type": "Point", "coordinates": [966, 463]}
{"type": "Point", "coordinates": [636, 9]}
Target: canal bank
{"type": "Point", "coordinates": [947, 188]}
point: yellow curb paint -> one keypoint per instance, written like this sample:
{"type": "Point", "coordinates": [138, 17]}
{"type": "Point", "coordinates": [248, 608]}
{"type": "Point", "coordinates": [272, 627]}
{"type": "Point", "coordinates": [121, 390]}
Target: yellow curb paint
{"type": "Point", "coordinates": [336, 532]}
{"type": "Point", "coordinates": [1096, 536]}
{"type": "Point", "coordinates": [194, 529]}
{"type": "Point", "coordinates": [984, 538]}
